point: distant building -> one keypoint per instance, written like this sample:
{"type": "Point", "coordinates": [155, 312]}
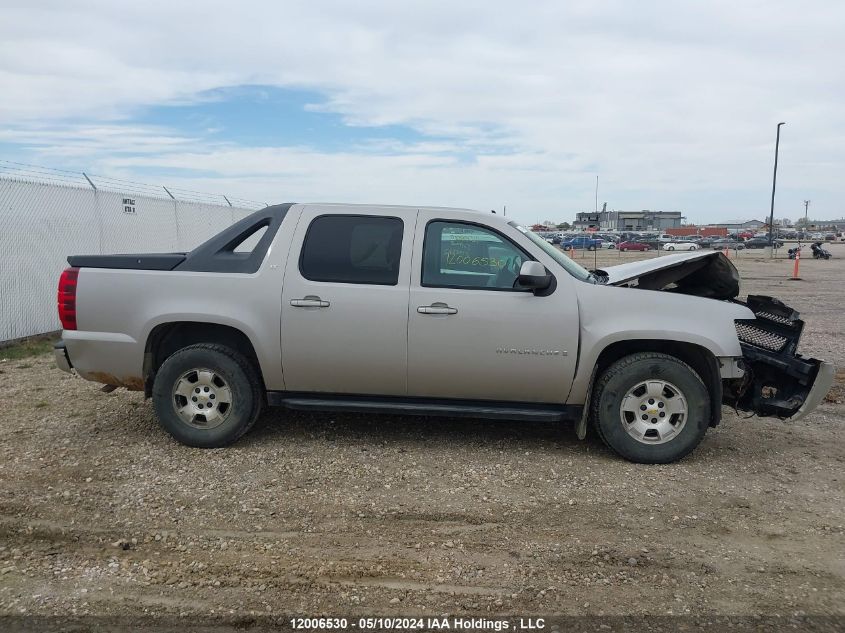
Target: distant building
{"type": "Point", "coordinates": [818, 225]}
{"type": "Point", "coordinates": [628, 220]}
{"type": "Point", "coordinates": [750, 225]}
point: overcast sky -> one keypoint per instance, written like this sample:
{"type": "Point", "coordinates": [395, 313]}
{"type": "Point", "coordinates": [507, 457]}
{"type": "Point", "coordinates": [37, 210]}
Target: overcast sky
{"type": "Point", "coordinates": [474, 104]}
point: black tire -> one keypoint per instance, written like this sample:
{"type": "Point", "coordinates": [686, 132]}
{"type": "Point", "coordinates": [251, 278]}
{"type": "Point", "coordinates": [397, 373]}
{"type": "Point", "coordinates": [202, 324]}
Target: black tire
{"type": "Point", "coordinates": [625, 374]}
{"type": "Point", "coordinates": [591, 248]}
{"type": "Point", "coordinates": [623, 249]}
{"type": "Point", "coordinates": [671, 248]}
{"type": "Point", "coordinates": [239, 375]}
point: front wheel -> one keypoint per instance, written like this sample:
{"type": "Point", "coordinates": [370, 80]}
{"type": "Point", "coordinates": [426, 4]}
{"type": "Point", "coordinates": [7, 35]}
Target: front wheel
{"type": "Point", "coordinates": [647, 248]}
{"type": "Point", "coordinates": [651, 408]}
{"type": "Point", "coordinates": [671, 248]}
{"type": "Point", "coordinates": [207, 395]}
{"type": "Point", "coordinates": [692, 248]}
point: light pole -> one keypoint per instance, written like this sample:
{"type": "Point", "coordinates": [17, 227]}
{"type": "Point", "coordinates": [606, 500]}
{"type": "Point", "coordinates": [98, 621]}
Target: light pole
{"type": "Point", "coordinates": [774, 183]}
{"type": "Point", "coordinates": [804, 229]}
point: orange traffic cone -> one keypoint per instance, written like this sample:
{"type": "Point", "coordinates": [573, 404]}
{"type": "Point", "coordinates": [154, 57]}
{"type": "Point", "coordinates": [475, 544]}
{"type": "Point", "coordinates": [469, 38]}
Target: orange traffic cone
{"type": "Point", "coordinates": [795, 276]}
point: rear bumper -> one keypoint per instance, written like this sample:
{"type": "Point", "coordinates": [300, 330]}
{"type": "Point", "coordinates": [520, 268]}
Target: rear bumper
{"type": "Point", "coordinates": [108, 357]}
{"type": "Point", "coordinates": [62, 359]}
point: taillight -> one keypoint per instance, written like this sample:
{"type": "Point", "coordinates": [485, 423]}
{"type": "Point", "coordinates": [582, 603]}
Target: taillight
{"type": "Point", "coordinates": [67, 298]}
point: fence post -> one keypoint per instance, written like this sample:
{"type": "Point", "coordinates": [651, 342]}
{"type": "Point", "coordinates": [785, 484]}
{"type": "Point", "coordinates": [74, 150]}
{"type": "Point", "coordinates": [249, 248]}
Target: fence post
{"type": "Point", "coordinates": [230, 206]}
{"type": "Point", "coordinates": [175, 218]}
{"type": "Point", "coordinates": [98, 211]}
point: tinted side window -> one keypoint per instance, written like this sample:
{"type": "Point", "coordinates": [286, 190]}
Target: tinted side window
{"type": "Point", "coordinates": [354, 249]}
{"type": "Point", "coordinates": [468, 256]}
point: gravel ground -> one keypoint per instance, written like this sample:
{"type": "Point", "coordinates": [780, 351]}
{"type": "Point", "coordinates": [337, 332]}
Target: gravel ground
{"type": "Point", "coordinates": [103, 514]}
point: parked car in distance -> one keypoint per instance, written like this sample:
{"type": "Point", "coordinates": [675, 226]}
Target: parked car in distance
{"type": "Point", "coordinates": [607, 244]}
{"type": "Point", "coordinates": [633, 246]}
{"type": "Point", "coordinates": [581, 241]}
{"type": "Point", "coordinates": [679, 246]}
{"type": "Point", "coordinates": [761, 242]}
{"type": "Point", "coordinates": [727, 243]}
{"type": "Point", "coordinates": [607, 237]}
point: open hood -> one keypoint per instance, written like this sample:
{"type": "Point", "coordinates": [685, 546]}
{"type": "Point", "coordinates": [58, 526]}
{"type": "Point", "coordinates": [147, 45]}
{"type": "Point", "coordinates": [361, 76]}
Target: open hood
{"type": "Point", "coordinates": [699, 273]}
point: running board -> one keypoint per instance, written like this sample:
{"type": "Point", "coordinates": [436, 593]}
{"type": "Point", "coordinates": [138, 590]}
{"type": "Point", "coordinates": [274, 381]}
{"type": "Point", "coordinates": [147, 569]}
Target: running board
{"type": "Point", "coordinates": [490, 410]}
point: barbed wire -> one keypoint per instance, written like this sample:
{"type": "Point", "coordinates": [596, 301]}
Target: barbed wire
{"type": "Point", "coordinates": [10, 169]}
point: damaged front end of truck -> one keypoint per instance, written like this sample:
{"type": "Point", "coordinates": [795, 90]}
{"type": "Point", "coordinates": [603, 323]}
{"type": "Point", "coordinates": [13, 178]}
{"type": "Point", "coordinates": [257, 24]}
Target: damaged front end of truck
{"type": "Point", "coordinates": [776, 381]}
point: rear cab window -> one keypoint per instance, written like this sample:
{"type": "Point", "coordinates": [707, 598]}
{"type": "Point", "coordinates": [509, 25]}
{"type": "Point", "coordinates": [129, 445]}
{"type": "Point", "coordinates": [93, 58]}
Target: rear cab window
{"type": "Point", "coordinates": [354, 249]}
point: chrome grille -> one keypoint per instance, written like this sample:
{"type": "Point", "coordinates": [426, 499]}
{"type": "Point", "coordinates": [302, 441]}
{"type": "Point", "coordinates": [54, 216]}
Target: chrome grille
{"type": "Point", "coordinates": [774, 317]}
{"type": "Point", "coordinates": [760, 337]}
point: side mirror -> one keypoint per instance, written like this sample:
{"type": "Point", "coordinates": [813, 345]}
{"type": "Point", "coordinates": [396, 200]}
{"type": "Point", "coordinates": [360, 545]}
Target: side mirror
{"type": "Point", "coordinates": [533, 275]}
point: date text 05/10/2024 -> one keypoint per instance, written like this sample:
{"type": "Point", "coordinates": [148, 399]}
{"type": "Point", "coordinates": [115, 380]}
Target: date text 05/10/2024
{"type": "Point", "coordinates": [414, 623]}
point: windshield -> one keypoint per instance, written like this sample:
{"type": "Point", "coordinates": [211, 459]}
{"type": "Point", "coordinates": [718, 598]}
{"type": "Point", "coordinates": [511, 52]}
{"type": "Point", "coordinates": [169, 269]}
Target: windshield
{"type": "Point", "coordinates": [576, 270]}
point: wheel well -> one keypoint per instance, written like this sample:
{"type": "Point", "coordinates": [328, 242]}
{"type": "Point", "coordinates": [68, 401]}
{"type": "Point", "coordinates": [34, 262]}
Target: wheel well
{"type": "Point", "coordinates": [699, 358]}
{"type": "Point", "coordinates": [167, 338]}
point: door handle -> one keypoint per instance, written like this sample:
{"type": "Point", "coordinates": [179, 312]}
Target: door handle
{"type": "Point", "coordinates": [437, 308]}
{"type": "Point", "coordinates": [309, 302]}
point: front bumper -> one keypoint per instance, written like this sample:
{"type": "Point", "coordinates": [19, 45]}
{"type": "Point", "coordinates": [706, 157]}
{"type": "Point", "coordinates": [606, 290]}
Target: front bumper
{"type": "Point", "coordinates": [821, 387]}
{"type": "Point", "coordinates": [778, 381]}
{"type": "Point", "coordinates": [62, 359]}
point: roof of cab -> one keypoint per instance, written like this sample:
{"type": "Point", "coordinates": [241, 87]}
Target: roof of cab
{"type": "Point", "coordinates": [399, 208]}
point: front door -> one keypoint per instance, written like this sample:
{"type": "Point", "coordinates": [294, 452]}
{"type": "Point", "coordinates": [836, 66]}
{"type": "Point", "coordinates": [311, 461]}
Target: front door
{"type": "Point", "coordinates": [471, 333]}
{"type": "Point", "coordinates": [345, 301]}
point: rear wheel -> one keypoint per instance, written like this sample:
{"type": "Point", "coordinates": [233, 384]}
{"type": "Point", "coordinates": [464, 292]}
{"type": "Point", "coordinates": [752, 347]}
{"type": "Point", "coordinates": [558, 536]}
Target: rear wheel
{"type": "Point", "coordinates": [651, 408]}
{"type": "Point", "coordinates": [207, 395]}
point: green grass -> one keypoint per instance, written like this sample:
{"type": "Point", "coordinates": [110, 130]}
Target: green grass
{"type": "Point", "coordinates": [28, 348]}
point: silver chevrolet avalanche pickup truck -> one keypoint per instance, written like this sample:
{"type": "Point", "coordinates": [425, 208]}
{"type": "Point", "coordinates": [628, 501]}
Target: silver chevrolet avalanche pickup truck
{"type": "Point", "coordinates": [431, 311]}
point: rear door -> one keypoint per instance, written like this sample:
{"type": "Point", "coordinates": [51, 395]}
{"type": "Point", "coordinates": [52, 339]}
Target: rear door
{"type": "Point", "coordinates": [345, 301]}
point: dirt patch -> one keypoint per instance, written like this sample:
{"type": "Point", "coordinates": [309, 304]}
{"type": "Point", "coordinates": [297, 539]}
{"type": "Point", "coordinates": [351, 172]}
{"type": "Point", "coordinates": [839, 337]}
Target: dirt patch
{"type": "Point", "coordinates": [837, 391]}
{"type": "Point", "coordinates": [102, 514]}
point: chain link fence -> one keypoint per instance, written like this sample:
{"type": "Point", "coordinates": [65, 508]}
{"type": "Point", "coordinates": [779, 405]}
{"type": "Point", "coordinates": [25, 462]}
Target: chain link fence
{"type": "Point", "coordinates": [49, 214]}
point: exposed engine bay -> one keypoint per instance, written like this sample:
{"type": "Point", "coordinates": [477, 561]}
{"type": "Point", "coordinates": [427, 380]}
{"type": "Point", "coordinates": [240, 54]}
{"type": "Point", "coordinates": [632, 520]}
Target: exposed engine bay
{"type": "Point", "coordinates": [706, 274]}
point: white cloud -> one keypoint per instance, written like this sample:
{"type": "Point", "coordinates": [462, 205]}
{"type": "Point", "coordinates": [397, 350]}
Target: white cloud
{"type": "Point", "coordinates": [674, 104]}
